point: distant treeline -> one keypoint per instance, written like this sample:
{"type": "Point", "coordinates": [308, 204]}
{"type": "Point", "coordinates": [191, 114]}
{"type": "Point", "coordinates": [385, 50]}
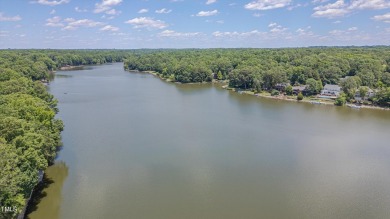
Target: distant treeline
{"type": "Point", "coordinates": [262, 69]}
{"type": "Point", "coordinates": [29, 131]}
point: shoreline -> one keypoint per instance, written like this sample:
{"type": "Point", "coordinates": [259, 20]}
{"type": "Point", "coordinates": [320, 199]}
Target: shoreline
{"type": "Point", "coordinates": [316, 101]}
{"type": "Point", "coordinates": [71, 67]}
{"type": "Point", "coordinates": [268, 95]}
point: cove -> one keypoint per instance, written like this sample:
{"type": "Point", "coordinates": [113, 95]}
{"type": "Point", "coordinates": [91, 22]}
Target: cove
{"type": "Point", "coordinates": [135, 146]}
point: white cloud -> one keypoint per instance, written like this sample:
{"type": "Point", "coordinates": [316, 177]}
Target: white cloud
{"type": "Point", "coordinates": [163, 11]}
{"type": "Point", "coordinates": [369, 4]}
{"type": "Point", "coordinates": [146, 22]}
{"type": "Point", "coordinates": [331, 10]}
{"type": "Point", "coordinates": [340, 8]}
{"type": "Point", "coordinates": [113, 12]}
{"type": "Point", "coordinates": [106, 5]}
{"type": "Point", "coordinates": [5, 18]}
{"type": "Point", "coordinates": [272, 24]}
{"type": "Point", "coordinates": [118, 34]}
{"type": "Point", "coordinates": [276, 28]}
{"type": "Point", "coordinates": [54, 22]}
{"type": "Point", "coordinates": [336, 5]}
{"type": "Point", "coordinates": [74, 24]}
{"type": "Point", "coordinates": [350, 31]}
{"type": "Point", "coordinates": [330, 13]}
{"type": "Point", "coordinates": [337, 32]}
{"type": "Point", "coordinates": [210, 2]}
{"type": "Point", "coordinates": [69, 19]}
{"type": "Point", "coordinates": [294, 7]}
{"type": "Point", "coordinates": [319, 1]}
{"type": "Point", "coordinates": [53, 11]}
{"type": "Point", "coordinates": [384, 18]}
{"type": "Point", "coordinates": [236, 34]}
{"type": "Point", "coordinates": [51, 3]}
{"type": "Point", "coordinates": [267, 4]}
{"type": "Point", "coordinates": [277, 36]}
{"type": "Point", "coordinates": [109, 28]}
{"type": "Point", "coordinates": [171, 33]}
{"type": "Point", "coordinates": [143, 10]}
{"type": "Point", "coordinates": [303, 32]}
{"type": "Point", "coordinates": [207, 13]}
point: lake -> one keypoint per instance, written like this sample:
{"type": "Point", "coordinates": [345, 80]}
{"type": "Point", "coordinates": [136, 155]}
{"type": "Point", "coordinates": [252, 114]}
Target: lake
{"type": "Point", "coordinates": [135, 146]}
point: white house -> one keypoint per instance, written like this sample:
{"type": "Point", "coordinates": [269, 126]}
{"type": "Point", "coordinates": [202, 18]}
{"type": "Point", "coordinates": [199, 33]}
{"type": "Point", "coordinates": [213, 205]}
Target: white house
{"type": "Point", "coordinates": [331, 90]}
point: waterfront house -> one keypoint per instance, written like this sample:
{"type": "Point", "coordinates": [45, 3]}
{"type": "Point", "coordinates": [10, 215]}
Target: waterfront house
{"type": "Point", "coordinates": [370, 93]}
{"type": "Point", "coordinates": [331, 90]}
{"type": "Point", "coordinates": [281, 86]}
{"type": "Point", "coordinates": [299, 89]}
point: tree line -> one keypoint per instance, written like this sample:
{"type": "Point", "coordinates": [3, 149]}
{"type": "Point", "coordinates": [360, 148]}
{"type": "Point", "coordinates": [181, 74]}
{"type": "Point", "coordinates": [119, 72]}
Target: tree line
{"type": "Point", "coordinates": [263, 69]}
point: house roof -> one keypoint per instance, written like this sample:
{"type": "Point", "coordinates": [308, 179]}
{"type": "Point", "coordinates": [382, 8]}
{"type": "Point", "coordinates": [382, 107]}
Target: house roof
{"type": "Point", "coordinates": [303, 87]}
{"type": "Point", "coordinates": [283, 84]}
{"type": "Point", "coordinates": [332, 87]}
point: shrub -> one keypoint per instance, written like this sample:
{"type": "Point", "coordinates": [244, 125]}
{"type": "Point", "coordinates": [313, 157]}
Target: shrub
{"type": "Point", "coordinates": [300, 96]}
{"type": "Point", "coordinates": [341, 100]}
{"type": "Point", "coordinates": [289, 90]}
{"type": "Point", "coordinates": [274, 92]}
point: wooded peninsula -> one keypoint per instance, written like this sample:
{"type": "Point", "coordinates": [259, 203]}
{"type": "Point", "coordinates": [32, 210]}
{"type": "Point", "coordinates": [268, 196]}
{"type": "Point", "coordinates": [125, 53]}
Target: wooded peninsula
{"type": "Point", "coordinates": [30, 132]}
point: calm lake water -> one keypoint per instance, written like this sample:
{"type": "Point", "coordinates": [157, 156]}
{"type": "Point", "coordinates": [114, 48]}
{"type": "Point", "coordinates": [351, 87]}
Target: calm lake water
{"type": "Point", "coordinates": [138, 147]}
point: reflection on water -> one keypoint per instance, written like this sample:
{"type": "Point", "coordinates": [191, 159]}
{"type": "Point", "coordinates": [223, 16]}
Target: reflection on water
{"type": "Point", "coordinates": [62, 76]}
{"type": "Point", "coordinates": [137, 147]}
{"type": "Point", "coordinates": [47, 198]}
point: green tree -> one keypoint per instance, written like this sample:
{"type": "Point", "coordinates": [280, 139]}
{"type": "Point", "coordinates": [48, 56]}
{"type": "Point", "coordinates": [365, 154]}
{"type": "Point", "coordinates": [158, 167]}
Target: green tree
{"type": "Point", "coordinates": [319, 86]}
{"type": "Point", "coordinates": [340, 100]}
{"type": "Point", "coordinates": [289, 90]}
{"type": "Point", "coordinates": [312, 86]}
{"type": "Point", "coordinates": [363, 90]}
{"type": "Point", "coordinates": [383, 97]}
{"type": "Point", "coordinates": [273, 76]}
{"type": "Point", "coordinates": [386, 78]}
{"type": "Point", "coordinates": [349, 86]}
{"type": "Point", "coordinates": [219, 75]}
{"type": "Point", "coordinates": [367, 77]}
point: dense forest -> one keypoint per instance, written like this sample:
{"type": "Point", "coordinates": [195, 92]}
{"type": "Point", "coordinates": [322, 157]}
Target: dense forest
{"type": "Point", "coordinates": [263, 69]}
{"type": "Point", "coordinates": [29, 131]}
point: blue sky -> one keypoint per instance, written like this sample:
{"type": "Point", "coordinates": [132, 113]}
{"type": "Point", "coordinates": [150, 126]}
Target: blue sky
{"type": "Point", "coordinates": [128, 24]}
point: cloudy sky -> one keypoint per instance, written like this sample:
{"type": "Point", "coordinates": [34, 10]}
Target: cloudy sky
{"type": "Point", "coordinates": [131, 24]}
